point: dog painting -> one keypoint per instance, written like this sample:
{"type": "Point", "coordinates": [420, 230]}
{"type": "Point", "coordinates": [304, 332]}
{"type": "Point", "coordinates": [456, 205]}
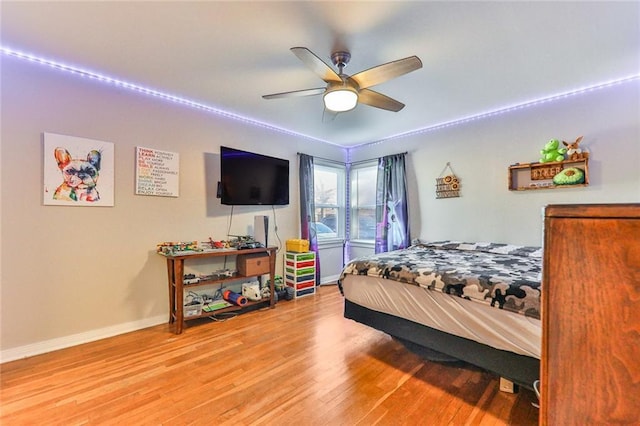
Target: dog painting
{"type": "Point", "coordinates": [79, 167]}
{"type": "Point", "coordinates": [80, 176]}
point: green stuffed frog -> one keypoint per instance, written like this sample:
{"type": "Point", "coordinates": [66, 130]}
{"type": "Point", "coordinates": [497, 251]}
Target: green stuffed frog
{"type": "Point", "coordinates": [552, 152]}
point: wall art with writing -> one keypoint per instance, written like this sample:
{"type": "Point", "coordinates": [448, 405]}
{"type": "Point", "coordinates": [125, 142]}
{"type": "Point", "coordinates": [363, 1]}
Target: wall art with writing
{"type": "Point", "coordinates": [157, 172]}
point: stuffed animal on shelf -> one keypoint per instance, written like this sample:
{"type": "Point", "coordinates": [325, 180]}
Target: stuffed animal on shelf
{"type": "Point", "coordinates": [570, 176]}
{"type": "Point", "coordinates": [552, 152]}
{"type": "Point", "coordinates": [573, 152]}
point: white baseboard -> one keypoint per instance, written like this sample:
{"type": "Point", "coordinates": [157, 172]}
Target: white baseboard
{"type": "Point", "coordinates": [77, 339]}
{"type": "Point", "coordinates": [329, 280]}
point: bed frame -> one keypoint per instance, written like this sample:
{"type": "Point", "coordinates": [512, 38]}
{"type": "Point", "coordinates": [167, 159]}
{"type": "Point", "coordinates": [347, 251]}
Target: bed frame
{"type": "Point", "coordinates": [519, 369]}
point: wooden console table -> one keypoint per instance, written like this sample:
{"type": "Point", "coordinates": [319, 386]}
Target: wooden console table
{"type": "Point", "coordinates": [175, 271]}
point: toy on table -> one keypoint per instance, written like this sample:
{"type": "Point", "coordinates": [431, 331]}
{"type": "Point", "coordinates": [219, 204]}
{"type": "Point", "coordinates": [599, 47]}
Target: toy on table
{"type": "Point", "coordinates": [218, 244]}
{"type": "Point", "coordinates": [170, 248]}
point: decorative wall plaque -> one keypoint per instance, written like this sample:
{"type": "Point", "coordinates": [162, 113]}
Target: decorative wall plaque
{"type": "Point", "coordinates": [157, 172]}
{"type": "Point", "coordinates": [448, 184]}
{"type": "Point", "coordinates": [542, 171]}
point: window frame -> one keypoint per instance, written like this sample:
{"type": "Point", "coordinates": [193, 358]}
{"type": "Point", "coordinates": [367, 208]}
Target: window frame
{"type": "Point", "coordinates": [354, 207]}
{"type": "Point", "coordinates": [340, 170]}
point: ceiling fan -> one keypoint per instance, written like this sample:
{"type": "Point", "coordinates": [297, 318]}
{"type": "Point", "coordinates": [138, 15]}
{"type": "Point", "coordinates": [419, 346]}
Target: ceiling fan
{"type": "Point", "coordinates": [343, 92]}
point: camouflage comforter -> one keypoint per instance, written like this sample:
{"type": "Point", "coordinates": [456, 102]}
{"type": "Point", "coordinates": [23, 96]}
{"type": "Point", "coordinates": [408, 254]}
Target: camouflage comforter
{"type": "Point", "coordinates": [500, 275]}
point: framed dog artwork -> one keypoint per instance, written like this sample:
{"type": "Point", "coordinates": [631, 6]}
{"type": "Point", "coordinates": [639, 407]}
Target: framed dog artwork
{"type": "Point", "coordinates": [77, 171]}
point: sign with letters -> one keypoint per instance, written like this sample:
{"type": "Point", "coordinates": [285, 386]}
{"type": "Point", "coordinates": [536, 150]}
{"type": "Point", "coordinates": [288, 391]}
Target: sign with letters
{"type": "Point", "coordinates": [157, 172]}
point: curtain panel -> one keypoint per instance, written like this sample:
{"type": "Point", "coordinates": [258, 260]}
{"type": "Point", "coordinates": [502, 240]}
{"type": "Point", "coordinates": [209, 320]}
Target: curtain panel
{"type": "Point", "coordinates": [308, 208]}
{"type": "Point", "coordinates": [392, 224]}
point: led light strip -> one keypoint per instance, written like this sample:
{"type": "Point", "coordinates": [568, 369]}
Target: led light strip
{"type": "Point", "coordinates": [510, 108]}
{"type": "Point", "coordinates": [197, 105]}
{"type": "Point", "coordinates": [148, 91]}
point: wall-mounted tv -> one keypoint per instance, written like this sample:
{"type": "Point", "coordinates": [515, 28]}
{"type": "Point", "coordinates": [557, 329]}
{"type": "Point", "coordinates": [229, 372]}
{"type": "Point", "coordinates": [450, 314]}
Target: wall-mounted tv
{"type": "Point", "coordinates": [247, 178]}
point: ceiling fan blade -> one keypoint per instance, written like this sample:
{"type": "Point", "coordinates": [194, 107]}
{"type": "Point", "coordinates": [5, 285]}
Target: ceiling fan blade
{"type": "Point", "coordinates": [296, 93]}
{"type": "Point", "coordinates": [378, 100]}
{"type": "Point", "coordinates": [384, 72]}
{"type": "Point", "coordinates": [316, 64]}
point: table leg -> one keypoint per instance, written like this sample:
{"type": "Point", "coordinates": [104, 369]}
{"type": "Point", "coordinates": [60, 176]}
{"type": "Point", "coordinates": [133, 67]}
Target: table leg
{"type": "Point", "coordinates": [272, 276]}
{"type": "Point", "coordinates": [172, 293]}
{"type": "Point", "coordinates": [178, 273]}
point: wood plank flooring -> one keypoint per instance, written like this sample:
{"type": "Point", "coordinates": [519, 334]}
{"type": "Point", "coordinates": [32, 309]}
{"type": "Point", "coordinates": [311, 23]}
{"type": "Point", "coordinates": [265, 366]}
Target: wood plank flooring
{"type": "Point", "coordinates": [301, 363]}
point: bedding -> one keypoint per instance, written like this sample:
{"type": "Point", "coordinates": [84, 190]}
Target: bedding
{"type": "Point", "coordinates": [501, 276]}
{"type": "Point", "coordinates": [499, 329]}
{"type": "Point", "coordinates": [476, 302]}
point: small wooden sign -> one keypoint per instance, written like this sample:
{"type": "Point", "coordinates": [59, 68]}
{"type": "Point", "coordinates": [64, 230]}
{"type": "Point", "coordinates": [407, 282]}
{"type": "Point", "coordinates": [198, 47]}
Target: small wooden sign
{"type": "Point", "coordinates": [447, 186]}
{"type": "Point", "coordinates": [543, 171]}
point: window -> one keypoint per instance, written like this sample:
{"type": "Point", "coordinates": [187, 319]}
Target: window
{"type": "Point", "coordinates": [363, 201]}
{"type": "Point", "coordinates": [329, 191]}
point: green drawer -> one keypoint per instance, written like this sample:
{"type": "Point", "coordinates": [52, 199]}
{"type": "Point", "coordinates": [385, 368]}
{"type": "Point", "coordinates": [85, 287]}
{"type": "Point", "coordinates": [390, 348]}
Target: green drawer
{"type": "Point", "coordinates": [300, 256]}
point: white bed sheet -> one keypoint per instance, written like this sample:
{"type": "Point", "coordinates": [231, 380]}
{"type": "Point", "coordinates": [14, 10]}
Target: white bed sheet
{"type": "Point", "coordinates": [464, 318]}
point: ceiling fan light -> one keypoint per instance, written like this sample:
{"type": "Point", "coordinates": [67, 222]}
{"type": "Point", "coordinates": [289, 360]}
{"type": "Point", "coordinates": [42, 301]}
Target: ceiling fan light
{"type": "Point", "coordinates": [340, 99]}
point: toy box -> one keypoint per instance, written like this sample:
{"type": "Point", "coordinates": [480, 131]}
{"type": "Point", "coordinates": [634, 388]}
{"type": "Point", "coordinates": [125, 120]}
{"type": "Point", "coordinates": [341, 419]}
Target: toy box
{"type": "Point", "coordinates": [192, 310]}
{"type": "Point", "coordinates": [253, 264]}
{"type": "Point", "coordinates": [298, 246]}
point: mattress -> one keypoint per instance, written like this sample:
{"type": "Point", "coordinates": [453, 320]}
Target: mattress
{"type": "Point", "coordinates": [498, 328]}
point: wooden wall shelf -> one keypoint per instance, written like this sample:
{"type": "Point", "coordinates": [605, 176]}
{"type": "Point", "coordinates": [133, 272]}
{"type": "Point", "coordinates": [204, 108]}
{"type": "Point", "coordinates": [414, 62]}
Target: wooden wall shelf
{"type": "Point", "coordinates": [530, 176]}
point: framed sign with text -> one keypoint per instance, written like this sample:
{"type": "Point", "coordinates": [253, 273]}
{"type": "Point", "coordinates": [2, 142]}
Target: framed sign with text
{"type": "Point", "coordinates": [157, 172]}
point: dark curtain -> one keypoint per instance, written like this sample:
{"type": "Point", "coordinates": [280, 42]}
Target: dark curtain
{"type": "Point", "coordinates": [392, 230]}
{"type": "Point", "coordinates": [308, 208]}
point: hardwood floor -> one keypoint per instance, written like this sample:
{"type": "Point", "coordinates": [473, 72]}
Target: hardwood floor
{"type": "Point", "coordinates": [301, 363]}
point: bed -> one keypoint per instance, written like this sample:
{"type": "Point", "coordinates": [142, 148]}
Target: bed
{"type": "Point", "coordinates": [474, 302]}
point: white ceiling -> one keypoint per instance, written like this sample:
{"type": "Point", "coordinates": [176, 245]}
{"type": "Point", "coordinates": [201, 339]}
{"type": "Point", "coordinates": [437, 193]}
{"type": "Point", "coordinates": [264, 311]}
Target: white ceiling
{"type": "Point", "coordinates": [478, 56]}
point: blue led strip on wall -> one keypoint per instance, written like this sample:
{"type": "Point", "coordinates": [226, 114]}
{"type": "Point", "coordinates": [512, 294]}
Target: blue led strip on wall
{"type": "Point", "coordinates": [511, 108]}
{"type": "Point", "coordinates": [146, 91]}
{"type": "Point", "coordinates": [193, 104]}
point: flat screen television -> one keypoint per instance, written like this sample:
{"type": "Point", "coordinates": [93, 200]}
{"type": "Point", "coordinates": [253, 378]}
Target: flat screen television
{"type": "Point", "coordinates": [247, 178]}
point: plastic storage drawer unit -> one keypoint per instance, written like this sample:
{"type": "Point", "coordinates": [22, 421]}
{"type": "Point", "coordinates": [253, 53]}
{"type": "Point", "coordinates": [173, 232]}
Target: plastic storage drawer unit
{"type": "Point", "coordinates": [300, 272]}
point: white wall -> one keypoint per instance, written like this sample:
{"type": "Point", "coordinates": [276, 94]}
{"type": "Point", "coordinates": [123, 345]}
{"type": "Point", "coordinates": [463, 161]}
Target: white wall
{"type": "Point", "coordinates": [480, 152]}
{"type": "Point", "coordinates": [331, 257]}
{"type": "Point", "coordinates": [71, 274]}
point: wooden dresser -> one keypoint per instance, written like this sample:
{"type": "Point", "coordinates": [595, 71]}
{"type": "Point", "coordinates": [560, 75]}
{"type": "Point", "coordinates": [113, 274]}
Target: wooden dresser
{"type": "Point", "coordinates": [590, 366]}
